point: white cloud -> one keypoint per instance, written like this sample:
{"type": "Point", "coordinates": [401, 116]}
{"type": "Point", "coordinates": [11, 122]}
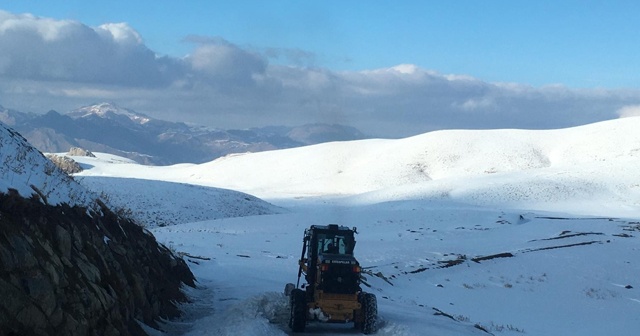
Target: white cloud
{"type": "Point", "coordinates": [220, 61]}
{"type": "Point", "coordinates": [49, 50]}
{"type": "Point", "coordinates": [475, 104]}
{"type": "Point", "coordinates": [629, 111]}
{"type": "Point", "coordinates": [405, 69]}
{"type": "Point", "coordinates": [296, 57]}
{"type": "Point", "coordinates": [49, 30]}
{"type": "Point", "coordinates": [55, 64]}
{"type": "Point", "coordinates": [121, 33]}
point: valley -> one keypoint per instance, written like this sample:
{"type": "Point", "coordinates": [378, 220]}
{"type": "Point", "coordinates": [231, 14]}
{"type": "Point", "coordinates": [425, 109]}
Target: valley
{"type": "Point", "coordinates": [542, 243]}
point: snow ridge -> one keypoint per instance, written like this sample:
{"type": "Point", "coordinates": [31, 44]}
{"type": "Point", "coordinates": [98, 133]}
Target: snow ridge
{"type": "Point", "coordinates": [109, 111]}
{"type": "Point", "coordinates": [159, 203]}
{"type": "Point", "coordinates": [489, 166]}
{"type": "Point", "coordinates": [534, 169]}
{"type": "Point", "coordinates": [25, 170]}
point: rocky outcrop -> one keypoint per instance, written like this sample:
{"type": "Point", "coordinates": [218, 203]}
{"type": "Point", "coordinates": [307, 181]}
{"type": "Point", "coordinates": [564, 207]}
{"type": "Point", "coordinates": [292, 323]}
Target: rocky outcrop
{"type": "Point", "coordinates": [73, 271]}
{"type": "Point", "coordinates": [65, 163]}
{"type": "Point", "coordinates": [77, 151]}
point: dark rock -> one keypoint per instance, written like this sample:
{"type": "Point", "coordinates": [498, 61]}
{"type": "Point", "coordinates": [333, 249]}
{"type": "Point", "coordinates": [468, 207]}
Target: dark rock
{"type": "Point", "coordinates": [69, 271]}
{"type": "Point", "coordinates": [63, 240]}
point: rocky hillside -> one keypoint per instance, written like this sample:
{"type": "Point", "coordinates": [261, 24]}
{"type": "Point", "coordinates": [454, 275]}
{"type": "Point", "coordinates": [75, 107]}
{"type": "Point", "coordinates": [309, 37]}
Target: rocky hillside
{"type": "Point", "coordinates": [68, 264]}
{"type": "Point", "coordinates": [111, 129]}
{"type": "Point", "coordinates": [25, 170]}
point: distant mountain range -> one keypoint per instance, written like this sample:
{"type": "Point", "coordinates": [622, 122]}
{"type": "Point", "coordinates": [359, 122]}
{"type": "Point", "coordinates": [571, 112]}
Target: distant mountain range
{"type": "Point", "coordinates": [109, 128]}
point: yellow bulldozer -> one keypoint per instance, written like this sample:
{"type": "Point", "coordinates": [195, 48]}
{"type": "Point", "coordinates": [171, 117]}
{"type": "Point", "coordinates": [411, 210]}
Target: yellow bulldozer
{"type": "Point", "coordinates": [331, 292]}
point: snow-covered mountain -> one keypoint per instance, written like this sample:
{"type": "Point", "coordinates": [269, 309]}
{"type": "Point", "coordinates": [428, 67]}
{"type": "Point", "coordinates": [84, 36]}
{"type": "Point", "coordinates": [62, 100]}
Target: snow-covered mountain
{"type": "Point", "coordinates": [13, 117]}
{"type": "Point", "coordinates": [460, 232]}
{"type": "Point", "coordinates": [109, 128]}
{"type": "Point", "coordinates": [25, 170]}
{"type": "Point", "coordinates": [109, 111]}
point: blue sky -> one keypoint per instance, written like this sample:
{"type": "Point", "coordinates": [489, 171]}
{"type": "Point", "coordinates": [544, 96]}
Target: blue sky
{"type": "Point", "coordinates": [575, 43]}
{"type": "Point", "coordinates": [239, 64]}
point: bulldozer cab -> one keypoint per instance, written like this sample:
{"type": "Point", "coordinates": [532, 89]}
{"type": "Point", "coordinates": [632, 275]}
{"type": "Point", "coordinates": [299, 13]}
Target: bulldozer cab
{"type": "Point", "coordinates": [329, 249]}
{"type": "Point", "coordinates": [335, 243]}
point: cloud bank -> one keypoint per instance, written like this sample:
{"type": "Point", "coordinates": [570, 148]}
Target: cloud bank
{"type": "Point", "coordinates": [60, 64]}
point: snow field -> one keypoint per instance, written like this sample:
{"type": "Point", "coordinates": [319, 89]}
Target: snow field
{"type": "Point", "coordinates": [159, 203]}
{"type": "Point", "coordinates": [512, 232]}
{"type": "Point", "coordinates": [561, 291]}
{"type": "Point", "coordinates": [566, 170]}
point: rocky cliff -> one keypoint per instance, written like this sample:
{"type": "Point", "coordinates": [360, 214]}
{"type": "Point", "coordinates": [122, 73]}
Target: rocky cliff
{"type": "Point", "coordinates": [70, 267]}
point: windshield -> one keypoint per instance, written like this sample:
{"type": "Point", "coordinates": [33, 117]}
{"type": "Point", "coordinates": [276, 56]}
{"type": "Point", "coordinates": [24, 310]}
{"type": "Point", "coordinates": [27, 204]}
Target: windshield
{"type": "Point", "coordinates": [329, 243]}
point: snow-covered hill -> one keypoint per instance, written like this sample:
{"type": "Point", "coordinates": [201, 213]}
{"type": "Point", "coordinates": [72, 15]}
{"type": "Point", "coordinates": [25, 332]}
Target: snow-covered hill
{"type": "Point", "coordinates": [460, 231]}
{"type": "Point", "coordinates": [459, 164]}
{"type": "Point", "coordinates": [27, 171]}
{"type": "Point", "coordinates": [544, 170]}
{"type": "Point", "coordinates": [159, 203]}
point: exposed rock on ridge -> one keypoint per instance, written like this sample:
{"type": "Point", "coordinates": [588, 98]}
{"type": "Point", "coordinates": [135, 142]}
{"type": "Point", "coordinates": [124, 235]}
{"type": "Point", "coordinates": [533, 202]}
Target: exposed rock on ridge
{"type": "Point", "coordinates": [65, 163]}
{"type": "Point", "coordinates": [77, 151]}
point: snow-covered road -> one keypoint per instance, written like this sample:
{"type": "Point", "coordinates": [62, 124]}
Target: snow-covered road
{"type": "Point", "coordinates": [566, 276]}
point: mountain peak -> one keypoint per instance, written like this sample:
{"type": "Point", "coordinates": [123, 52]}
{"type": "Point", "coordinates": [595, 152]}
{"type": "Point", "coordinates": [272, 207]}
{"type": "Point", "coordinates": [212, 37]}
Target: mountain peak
{"type": "Point", "coordinates": [109, 111]}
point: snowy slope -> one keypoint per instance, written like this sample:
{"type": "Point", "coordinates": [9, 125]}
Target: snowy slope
{"type": "Point", "coordinates": [459, 230]}
{"type": "Point", "coordinates": [566, 276]}
{"type": "Point", "coordinates": [159, 203]}
{"type": "Point", "coordinates": [463, 165]}
{"type": "Point", "coordinates": [27, 171]}
{"type": "Point", "coordinates": [515, 168]}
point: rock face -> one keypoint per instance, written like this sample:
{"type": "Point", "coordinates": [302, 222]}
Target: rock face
{"type": "Point", "coordinates": [77, 151]}
{"type": "Point", "coordinates": [69, 271]}
{"type": "Point", "coordinates": [65, 163]}
{"type": "Point", "coordinates": [68, 264]}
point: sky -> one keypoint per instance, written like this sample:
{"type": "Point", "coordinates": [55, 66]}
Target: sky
{"type": "Point", "coordinates": [390, 68]}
